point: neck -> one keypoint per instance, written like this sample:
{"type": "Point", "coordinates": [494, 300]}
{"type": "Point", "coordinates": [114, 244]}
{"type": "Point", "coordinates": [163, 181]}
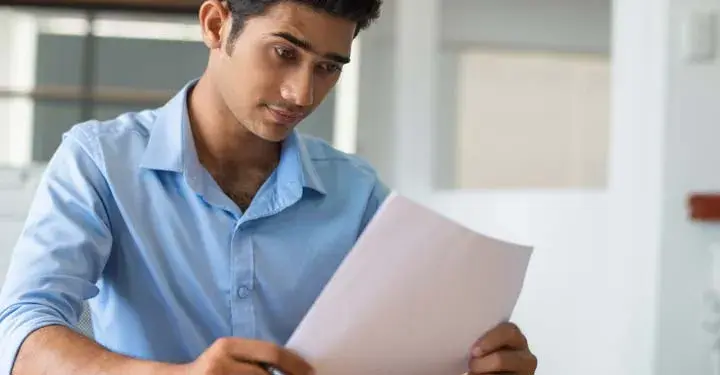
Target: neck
{"type": "Point", "coordinates": [221, 141]}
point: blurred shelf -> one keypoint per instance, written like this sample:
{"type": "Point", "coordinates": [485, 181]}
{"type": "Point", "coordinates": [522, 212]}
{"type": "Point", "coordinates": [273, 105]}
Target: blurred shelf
{"type": "Point", "coordinates": [705, 207]}
{"type": "Point", "coordinates": [105, 95]}
{"type": "Point", "coordinates": [154, 6]}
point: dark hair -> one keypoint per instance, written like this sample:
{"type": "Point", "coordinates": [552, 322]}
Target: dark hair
{"type": "Point", "coordinates": [363, 12]}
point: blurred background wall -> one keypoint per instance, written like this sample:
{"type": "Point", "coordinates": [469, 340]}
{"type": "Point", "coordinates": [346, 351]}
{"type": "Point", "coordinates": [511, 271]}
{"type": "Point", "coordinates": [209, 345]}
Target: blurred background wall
{"type": "Point", "coordinates": [579, 127]}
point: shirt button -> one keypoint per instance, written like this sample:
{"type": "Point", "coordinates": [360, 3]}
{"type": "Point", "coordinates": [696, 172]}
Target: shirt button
{"type": "Point", "coordinates": [243, 292]}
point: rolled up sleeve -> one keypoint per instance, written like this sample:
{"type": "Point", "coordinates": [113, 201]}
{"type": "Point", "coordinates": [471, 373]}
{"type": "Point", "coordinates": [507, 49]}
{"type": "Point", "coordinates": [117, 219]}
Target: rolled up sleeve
{"type": "Point", "coordinates": [62, 250]}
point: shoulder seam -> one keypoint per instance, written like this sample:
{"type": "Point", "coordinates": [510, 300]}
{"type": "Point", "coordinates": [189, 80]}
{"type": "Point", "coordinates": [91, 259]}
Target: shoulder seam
{"type": "Point", "coordinates": [94, 145]}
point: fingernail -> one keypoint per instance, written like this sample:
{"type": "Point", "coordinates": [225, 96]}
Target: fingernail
{"type": "Point", "coordinates": [477, 351]}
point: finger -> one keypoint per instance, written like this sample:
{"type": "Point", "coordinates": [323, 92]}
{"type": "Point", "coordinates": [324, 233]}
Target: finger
{"type": "Point", "coordinates": [267, 353]}
{"type": "Point", "coordinates": [504, 361]}
{"type": "Point", "coordinates": [504, 336]}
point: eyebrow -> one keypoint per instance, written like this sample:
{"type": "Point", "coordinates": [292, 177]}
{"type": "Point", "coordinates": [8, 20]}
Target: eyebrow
{"type": "Point", "coordinates": [304, 44]}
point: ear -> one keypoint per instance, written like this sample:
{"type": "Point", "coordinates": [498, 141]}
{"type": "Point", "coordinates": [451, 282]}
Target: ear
{"type": "Point", "coordinates": [214, 20]}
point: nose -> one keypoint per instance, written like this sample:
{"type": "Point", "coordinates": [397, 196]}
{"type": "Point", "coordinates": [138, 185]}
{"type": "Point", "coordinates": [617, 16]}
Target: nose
{"type": "Point", "coordinates": [298, 88]}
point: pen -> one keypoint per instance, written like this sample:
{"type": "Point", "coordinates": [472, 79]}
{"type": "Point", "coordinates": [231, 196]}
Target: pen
{"type": "Point", "coordinates": [271, 370]}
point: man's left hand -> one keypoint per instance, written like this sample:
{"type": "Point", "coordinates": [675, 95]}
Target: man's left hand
{"type": "Point", "coordinates": [503, 350]}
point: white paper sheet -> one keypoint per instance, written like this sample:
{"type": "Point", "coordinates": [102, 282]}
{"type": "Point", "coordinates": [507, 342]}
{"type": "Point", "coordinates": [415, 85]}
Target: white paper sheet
{"type": "Point", "coordinates": [411, 297]}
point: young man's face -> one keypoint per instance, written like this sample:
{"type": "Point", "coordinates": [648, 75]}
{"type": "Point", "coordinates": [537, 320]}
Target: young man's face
{"type": "Point", "coordinates": [280, 67]}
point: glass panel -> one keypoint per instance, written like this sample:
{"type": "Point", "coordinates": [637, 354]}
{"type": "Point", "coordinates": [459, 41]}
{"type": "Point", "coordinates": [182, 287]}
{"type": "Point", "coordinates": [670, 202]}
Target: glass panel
{"type": "Point", "coordinates": [58, 69]}
{"type": "Point", "coordinates": [59, 60]}
{"type": "Point", "coordinates": [51, 120]}
{"type": "Point", "coordinates": [148, 64]}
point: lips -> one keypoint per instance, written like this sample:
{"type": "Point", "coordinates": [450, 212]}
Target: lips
{"type": "Point", "coordinates": [285, 117]}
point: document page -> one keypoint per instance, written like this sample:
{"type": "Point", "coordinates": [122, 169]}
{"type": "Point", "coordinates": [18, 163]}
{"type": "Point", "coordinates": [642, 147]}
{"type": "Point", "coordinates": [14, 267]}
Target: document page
{"type": "Point", "coordinates": [412, 297]}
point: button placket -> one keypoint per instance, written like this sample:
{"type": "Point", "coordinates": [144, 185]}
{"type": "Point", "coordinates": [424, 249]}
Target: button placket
{"type": "Point", "coordinates": [242, 308]}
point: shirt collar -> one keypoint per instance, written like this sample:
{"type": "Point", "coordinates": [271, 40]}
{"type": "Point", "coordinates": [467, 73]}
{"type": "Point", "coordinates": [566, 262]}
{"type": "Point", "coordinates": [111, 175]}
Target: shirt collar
{"type": "Point", "coordinates": [171, 148]}
{"type": "Point", "coordinates": [167, 148]}
{"type": "Point", "coordinates": [295, 153]}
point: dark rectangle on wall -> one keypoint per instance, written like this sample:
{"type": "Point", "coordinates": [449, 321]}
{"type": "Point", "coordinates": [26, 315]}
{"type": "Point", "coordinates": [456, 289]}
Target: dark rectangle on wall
{"type": "Point", "coordinates": [148, 64]}
{"type": "Point", "coordinates": [157, 6]}
{"type": "Point", "coordinates": [59, 60]}
{"type": "Point", "coordinates": [705, 206]}
{"type": "Point", "coordinates": [50, 120]}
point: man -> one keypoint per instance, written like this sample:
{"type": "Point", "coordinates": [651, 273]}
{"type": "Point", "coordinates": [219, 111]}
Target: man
{"type": "Point", "coordinates": [202, 231]}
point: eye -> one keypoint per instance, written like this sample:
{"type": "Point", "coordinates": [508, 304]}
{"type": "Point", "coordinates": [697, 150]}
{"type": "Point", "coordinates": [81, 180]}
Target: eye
{"type": "Point", "coordinates": [285, 53]}
{"type": "Point", "coordinates": [330, 67]}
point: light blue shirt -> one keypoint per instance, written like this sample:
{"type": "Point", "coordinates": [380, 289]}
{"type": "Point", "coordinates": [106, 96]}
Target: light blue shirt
{"type": "Point", "coordinates": [127, 217]}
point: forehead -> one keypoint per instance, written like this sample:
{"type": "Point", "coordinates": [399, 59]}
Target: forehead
{"type": "Point", "coordinates": [325, 32]}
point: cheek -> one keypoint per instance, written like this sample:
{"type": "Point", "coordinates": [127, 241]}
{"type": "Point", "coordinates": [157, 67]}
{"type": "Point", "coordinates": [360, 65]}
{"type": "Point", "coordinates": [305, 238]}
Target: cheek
{"type": "Point", "coordinates": [253, 81]}
{"type": "Point", "coordinates": [265, 78]}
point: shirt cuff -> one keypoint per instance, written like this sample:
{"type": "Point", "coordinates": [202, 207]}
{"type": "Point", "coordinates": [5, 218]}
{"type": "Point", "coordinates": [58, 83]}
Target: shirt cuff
{"type": "Point", "coordinates": [14, 334]}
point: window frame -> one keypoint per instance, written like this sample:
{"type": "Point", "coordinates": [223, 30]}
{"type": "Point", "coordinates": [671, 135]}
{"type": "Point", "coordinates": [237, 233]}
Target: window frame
{"type": "Point", "coordinates": [156, 6]}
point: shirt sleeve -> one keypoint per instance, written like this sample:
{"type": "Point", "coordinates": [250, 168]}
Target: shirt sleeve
{"type": "Point", "coordinates": [62, 249]}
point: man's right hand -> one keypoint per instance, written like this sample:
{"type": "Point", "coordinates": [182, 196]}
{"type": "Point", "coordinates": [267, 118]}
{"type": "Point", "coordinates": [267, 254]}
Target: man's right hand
{"type": "Point", "coordinates": [60, 350]}
{"type": "Point", "coordinates": [236, 356]}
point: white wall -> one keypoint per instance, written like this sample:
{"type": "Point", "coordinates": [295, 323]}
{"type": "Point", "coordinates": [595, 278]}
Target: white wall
{"type": "Point", "coordinates": [691, 162]}
{"type": "Point", "coordinates": [635, 181]}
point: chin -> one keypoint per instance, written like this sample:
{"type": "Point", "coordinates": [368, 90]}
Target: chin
{"type": "Point", "coordinates": [274, 132]}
